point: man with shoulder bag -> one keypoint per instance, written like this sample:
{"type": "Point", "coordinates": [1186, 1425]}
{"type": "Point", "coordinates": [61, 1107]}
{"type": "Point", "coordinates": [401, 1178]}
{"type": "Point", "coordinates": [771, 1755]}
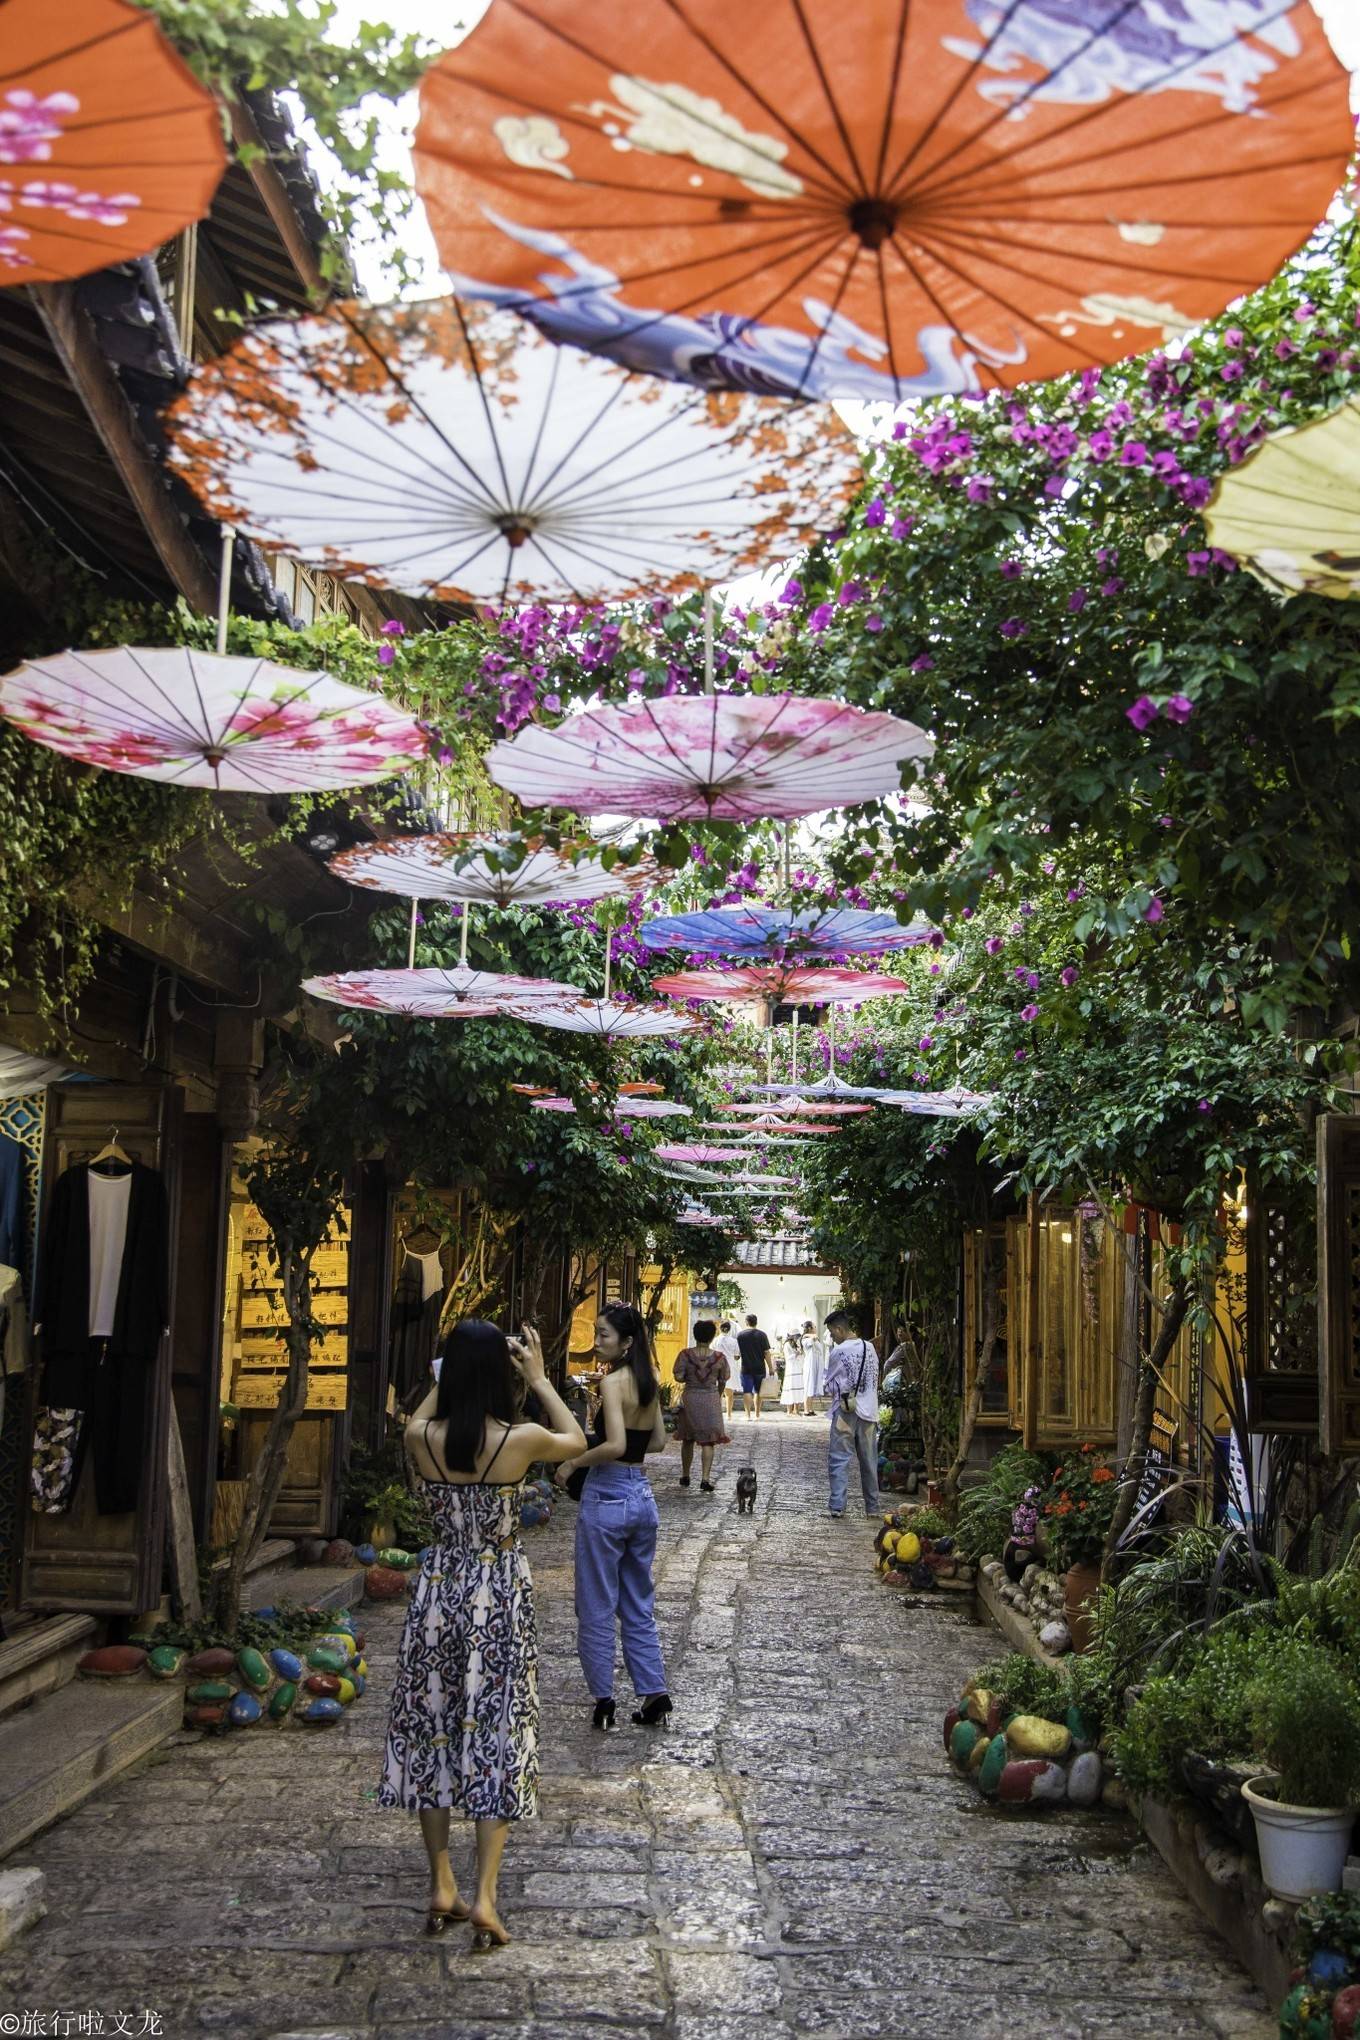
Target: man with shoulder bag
{"type": "Point", "coordinates": [852, 1384]}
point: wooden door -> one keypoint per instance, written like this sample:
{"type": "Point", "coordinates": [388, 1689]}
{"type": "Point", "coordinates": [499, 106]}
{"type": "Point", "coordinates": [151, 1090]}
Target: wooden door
{"type": "Point", "coordinates": [1338, 1230]}
{"type": "Point", "coordinates": [109, 1565]}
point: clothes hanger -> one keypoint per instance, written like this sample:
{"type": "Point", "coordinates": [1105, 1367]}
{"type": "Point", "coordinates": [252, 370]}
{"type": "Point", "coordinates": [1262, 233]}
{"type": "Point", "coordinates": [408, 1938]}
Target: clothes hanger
{"type": "Point", "coordinates": [423, 1231]}
{"type": "Point", "coordinates": [111, 1152]}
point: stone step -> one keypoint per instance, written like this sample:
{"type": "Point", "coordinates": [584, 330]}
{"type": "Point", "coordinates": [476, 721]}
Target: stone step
{"type": "Point", "coordinates": [41, 1656]}
{"type": "Point", "coordinates": [325, 1586]}
{"type": "Point", "coordinates": [66, 1745]}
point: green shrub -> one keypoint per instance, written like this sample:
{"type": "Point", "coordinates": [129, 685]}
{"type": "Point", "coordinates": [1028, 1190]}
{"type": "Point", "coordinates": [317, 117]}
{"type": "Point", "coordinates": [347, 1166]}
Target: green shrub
{"type": "Point", "coordinates": [985, 1511]}
{"type": "Point", "coordinates": [928, 1523]}
{"type": "Point", "coordinates": [1305, 1718]}
{"type": "Point", "coordinates": [1332, 1922]}
{"type": "Point", "coordinates": [1202, 1706]}
{"type": "Point", "coordinates": [1018, 1682]}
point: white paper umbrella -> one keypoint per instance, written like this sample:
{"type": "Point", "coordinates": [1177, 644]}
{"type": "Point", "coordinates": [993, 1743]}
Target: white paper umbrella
{"type": "Point", "coordinates": [797, 1106]}
{"type": "Point", "coordinates": [451, 867]}
{"type": "Point", "coordinates": [451, 451]}
{"type": "Point", "coordinates": [733, 757]}
{"type": "Point", "coordinates": [700, 1153]}
{"type": "Point", "coordinates": [189, 718]}
{"type": "Point", "coordinates": [603, 1017]}
{"type": "Point", "coordinates": [651, 1108]}
{"type": "Point", "coordinates": [830, 1086]}
{"type": "Point", "coordinates": [956, 1104]}
{"type": "Point", "coordinates": [434, 993]}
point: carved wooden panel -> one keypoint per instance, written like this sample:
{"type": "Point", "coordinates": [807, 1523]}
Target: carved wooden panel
{"type": "Point", "coordinates": [1282, 1328]}
{"type": "Point", "coordinates": [1338, 1152]}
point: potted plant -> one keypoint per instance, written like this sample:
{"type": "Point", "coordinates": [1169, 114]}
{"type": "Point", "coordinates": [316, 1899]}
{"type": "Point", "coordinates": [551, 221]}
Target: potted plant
{"type": "Point", "coordinates": [1305, 1715]}
{"type": "Point", "coordinates": [1076, 1512]}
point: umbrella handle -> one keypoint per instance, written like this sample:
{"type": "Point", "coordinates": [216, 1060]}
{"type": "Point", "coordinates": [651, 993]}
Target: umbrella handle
{"type": "Point", "coordinates": [793, 1061]}
{"type": "Point", "coordinates": [411, 944]}
{"type": "Point", "coordinates": [463, 934]}
{"type": "Point", "coordinates": [708, 645]}
{"type": "Point", "coordinates": [607, 962]}
{"type": "Point", "coordinates": [224, 586]}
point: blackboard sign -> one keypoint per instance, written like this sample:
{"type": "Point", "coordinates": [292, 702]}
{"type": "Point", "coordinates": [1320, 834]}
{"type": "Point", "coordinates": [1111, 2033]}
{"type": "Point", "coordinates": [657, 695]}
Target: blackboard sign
{"type": "Point", "coordinates": [1158, 1466]}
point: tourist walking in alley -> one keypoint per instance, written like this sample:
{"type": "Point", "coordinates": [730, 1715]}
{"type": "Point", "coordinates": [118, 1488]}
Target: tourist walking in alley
{"type": "Point", "coordinates": [702, 1373]}
{"type": "Point", "coordinates": [463, 1729]}
{"type": "Point", "coordinates": [852, 1384]}
{"type": "Point", "coordinates": [756, 1363]}
{"type": "Point", "coordinates": [814, 1363]}
{"type": "Point", "coordinates": [793, 1394]}
{"type": "Point", "coordinates": [617, 1525]}
{"type": "Point", "coordinates": [726, 1344]}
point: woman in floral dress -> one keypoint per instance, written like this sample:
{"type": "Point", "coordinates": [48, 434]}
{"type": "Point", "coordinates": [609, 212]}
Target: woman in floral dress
{"type": "Point", "coordinates": [701, 1373]}
{"type": "Point", "coordinates": [463, 1731]}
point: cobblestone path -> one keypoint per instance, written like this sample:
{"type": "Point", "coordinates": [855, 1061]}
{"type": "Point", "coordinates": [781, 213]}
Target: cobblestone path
{"type": "Point", "coordinates": [793, 1858]}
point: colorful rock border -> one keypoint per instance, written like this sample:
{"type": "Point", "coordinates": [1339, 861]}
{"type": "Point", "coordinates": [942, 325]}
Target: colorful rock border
{"type": "Point", "coordinates": [1025, 1760]}
{"type": "Point", "coordinates": [905, 1558]}
{"type": "Point", "coordinates": [226, 1688]}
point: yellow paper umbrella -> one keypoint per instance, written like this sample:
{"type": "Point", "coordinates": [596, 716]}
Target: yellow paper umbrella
{"type": "Point", "coordinates": [1291, 512]}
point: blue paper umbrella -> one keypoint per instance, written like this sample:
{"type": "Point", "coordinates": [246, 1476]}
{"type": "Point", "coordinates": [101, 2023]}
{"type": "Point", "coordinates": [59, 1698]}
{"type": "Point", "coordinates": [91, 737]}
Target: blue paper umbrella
{"type": "Point", "coordinates": [781, 931]}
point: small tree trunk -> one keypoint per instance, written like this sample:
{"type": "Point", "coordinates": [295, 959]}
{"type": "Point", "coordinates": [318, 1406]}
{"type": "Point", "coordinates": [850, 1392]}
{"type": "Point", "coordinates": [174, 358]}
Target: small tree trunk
{"type": "Point", "coordinates": [652, 1315]}
{"type": "Point", "coordinates": [1145, 1403]}
{"type": "Point", "coordinates": [266, 1476]}
{"type": "Point", "coordinates": [973, 1401]}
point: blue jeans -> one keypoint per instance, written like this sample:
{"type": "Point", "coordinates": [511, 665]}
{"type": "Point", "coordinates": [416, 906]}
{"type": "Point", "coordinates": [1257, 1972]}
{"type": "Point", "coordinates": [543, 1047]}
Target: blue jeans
{"type": "Point", "coordinates": [615, 1544]}
{"type": "Point", "coordinates": [864, 1445]}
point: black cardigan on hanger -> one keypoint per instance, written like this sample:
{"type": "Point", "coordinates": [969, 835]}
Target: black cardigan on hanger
{"type": "Point", "coordinates": [62, 1292]}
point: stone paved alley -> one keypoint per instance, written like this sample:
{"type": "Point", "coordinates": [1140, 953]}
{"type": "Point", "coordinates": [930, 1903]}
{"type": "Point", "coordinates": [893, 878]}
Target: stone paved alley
{"type": "Point", "coordinates": [793, 1858]}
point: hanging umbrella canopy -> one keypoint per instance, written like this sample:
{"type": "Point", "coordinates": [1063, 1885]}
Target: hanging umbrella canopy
{"type": "Point", "coordinates": [468, 867]}
{"type": "Point", "coordinates": [699, 1153]}
{"type": "Point", "coordinates": [651, 1108]}
{"type": "Point", "coordinates": [453, 452]}
{"type": "Point", "coordinates": [433, 993]}
{"type": "Point", "coordinates": [780, 931]}
{"type": "Point", "coordinates": [109, 146]}
{"type": "Point", "coordinates": [712, 757]}
{"type": "Point", "coordinates": [532, 1090]}
{"type": "Point", "coordinates": [955, 1104]}
{"type": "Point", "coordinates": [609, 1020]}
{"type": "Point", "coordinates": [1291, 511]}
{"type": "Point", "coordinates": [953, 189]}
{"type": "Point", "coordinates": [551, 1105]}
{"type": "Point", "coordinates": [640, 1089]}
{"type": "Point", "coordinates": [801, 1106]}
{"type": "Point", "coordinates": [780, 984]}
{"type": "Point", "coordinates": [187, 718]}
{"type": "Point", "coordinates": [830, 1088]}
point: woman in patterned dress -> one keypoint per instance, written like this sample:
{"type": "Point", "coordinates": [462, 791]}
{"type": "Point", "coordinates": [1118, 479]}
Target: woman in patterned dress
{"type": "Point", "coordinates": [702, 1374]}
{"type": "Point", "coordinates": [463, 1731]}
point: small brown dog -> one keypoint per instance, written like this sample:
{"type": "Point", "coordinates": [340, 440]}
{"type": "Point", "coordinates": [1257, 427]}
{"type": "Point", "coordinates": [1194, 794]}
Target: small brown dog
{"type": "Point", "coordinates": [746, 1491]}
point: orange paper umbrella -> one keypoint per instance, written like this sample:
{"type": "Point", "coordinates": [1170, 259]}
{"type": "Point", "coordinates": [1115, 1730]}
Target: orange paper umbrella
{"type": "Point", "coordinates": [108, 143]}
{"type": "Point", "coordinates": [949, 191]}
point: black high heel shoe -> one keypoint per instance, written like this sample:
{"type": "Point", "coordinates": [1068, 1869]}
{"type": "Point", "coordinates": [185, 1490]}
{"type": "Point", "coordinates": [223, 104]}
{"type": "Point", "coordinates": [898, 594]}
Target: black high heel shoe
{"type": "Point", "coordinates": [654, 1710]}
{"type": "Point", "coordinates": [604, 1715]}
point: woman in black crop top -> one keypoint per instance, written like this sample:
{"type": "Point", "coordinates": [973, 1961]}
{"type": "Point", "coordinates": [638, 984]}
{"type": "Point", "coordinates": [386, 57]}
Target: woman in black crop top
{"type": "Point", "coordinates": [617, 1526]}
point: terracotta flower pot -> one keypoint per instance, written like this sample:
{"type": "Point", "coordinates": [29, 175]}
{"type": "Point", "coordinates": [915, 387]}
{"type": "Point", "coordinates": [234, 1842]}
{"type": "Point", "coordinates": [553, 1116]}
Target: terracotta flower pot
{"type": "Point", "coordinates": [1080, 1586]}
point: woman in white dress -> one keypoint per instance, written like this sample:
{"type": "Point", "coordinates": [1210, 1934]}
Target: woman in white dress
{"type": "Point", "coordinates": [793, 1395]}
{"type": "Point", "coordinates": [814, 1358]}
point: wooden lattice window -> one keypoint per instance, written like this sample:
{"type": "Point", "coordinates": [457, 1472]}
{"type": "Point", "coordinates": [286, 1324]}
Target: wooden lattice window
{"type": "Point", "coordinates": [999, 1391]}
{"type": "Point", "coordinates": [1282, 1246]}
{"type": "Point", "coordinates": [1339, 1283]}
{"type": "Point", "coordinates": [1071, 1282]}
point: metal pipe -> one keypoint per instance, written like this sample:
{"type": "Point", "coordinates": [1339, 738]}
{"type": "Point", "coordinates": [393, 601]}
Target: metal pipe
{"type": "Point", "coordinates": [224, 586]}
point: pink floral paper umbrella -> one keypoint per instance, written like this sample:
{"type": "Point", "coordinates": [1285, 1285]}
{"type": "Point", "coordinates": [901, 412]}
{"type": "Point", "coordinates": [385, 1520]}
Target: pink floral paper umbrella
{"type": "Point", "coordinates": [190, 718]}
{"type": "Point", "coordinates": [432, 993]}
{"type": "Point", "coordinates": [801, 1108]}
{"type": "Point", "coordinates": [779, 984]}
{"type": "Point", "coordinates": [608, 1020]}
{"type": "Point", "coordinates": [479, 870]}
{"type": "Point", "coordinates": [700, 1153]}
{"type": "Point", "coordinates": [723, 757]}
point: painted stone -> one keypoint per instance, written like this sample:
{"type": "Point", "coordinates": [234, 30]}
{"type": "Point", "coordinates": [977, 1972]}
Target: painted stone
{"type": "Point", "coordinates": [111, 1661]}
{"type": "Point", "coordinates": [961, 1742]}
{"type": "Point", "coordinates": [1346, 2013]}
{"type": "Point", "coordinates": [286, 1663]}
{"type": "Point", "coordinates": [979, 1700]}
{"type": "Point", "coordinates": [1114, 1793]}
{"type": "Point", "coordinates": [320, 1712]}
{"type": "Point", "coordinates": [346, 1690]}
{"type": "Point", "coordinates": [338, 1640]}
{"type": "Point", "coordinates": [1015, 1786]}
{"type": "Point", "coordinates": [1056, 1639]}
{"type": "Point", "coordinates": [1029, 1736]}
{"type": "Point", "coordinates": [1079, 1729]}
{"type": "Point", "coordinates": [281, 1700]}
{"type": "Point", "coordinates": [399, 1560]}
{"type": "Point", "coordinates": [365, 1554]}
{"type": "Point", "coordinates": [210, 1693]}
{"type": "Point", "coordinates": [381, 1583]}
{"type": "Point", "coordinates": [908, 1548]}
{"type": "Point", "coordinates": [360, 1684]}
{"type": "Point", "coordinates": [951, 1722]}
{"type": "Point", "coordinates": [324, 1657]}
{"type": "Point", "coordinates": [996, 1717]}
{"type": "Point", "coordinates": [1298, 2019]}
{"type": "Point", "coordinates": [325, 1685]}
{"type": "Point", "coordinates": [270, 1614]}
{"type": "Point", "coordinates": [338, 1552]}
{"type": "Point", "coordinates": [1050, 1785]}
{"type": "Point", "coordinates": [978, 1755]}
{"type": "Point", "coordinates": [164, 1662]}
{"type": "Point", "coordinates": [211, 1664]}
{"type": "Point", "coordinates": [207, 1717]}
{"type": "Point", "coordinates": [993, 1764]}
{"type": "Point", "coordinates": [244, 1711]}
{"type": "Point", "coordinates": [253, 1669]}
{"type": "Point", "coordinates": [1084, 1779]}
{"type": "Point", "coordinates": [360, 1666]}
{"type": "Point", "coordinates": [427, 1551]}
{"type": "Point", "coordinates": [1329, 1968]}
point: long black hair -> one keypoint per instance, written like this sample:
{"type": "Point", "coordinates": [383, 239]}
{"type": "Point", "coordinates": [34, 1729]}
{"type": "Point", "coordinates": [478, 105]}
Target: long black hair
{"type": "Point", "coordinates": [628, 1323]}
{"type": "Point", "coordinates": [477, 1380]}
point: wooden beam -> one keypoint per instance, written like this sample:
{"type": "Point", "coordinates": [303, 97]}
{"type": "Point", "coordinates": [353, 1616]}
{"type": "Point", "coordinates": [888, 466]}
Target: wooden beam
{"type": "Point", "coordinates": [277, 202]}
{"type": "Point", "coordinates": [72, 335]}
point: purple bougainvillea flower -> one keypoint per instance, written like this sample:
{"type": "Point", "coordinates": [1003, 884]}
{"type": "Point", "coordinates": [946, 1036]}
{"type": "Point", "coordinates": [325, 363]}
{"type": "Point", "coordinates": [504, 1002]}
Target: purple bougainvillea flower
{"type": "Point", "coordinates": [1011, 570]}
{"type": "Point", "coordinates": [1027, 906]}
{"type": "Point", "coordinates": [927, 1042]}
{"type": "Point", "coordinates": [1178, 708]}
{"type": "Point", "coordinates": [1154, 910]}
{"type": "Point", "coordinates": [1197, 562]}
{"type": "Point", "coordinates": [850, 592]}
{"type": "Point", "coordinates": [935, 969]}
{"type": "Point", "coordinates": [820, 617]}
{"type": "Point", "coordinates": [901, 526]}
{"type": "Point", "coordinates": [1021, 973]}
{"type": "Point", "coordinates": [1014, 627]}
{"type": "Point", "coordinates": [1204, 1106]}
{"type": "Point", "coordinates": [1100, 445]}
{"type": "Point", "coordinates": [1143, 712]}
{"type": "Point", "coordinates": [1032, 980]}
{"type": "Point", "coordinates": [874, 623]}
{"type": "Point", "coordinates": [1133, 453]}
{"type": "Point", "coordinates": [1076, 601]}
{"type": "Point", "coordinates": [1232, 371]}
{"type": "Point", "coordinates": [1030, 1012]}
{"type": "Point", "coordinates": [1068, 975]}
{"type": "Point", "coordinates": [994, 945]}
{"type": "Point", "coordinates": [937, 938]}
{"type": "Point", "coordinates": [900, 430]}
{"type": "Point", "coordinates": [393, 629]}
{"type": "Point", "coordinates": [792, 592]}
{"type": "Point", "coordinates": [1020, 1055]}
{"type": "Point", "coordinates": [1113, 586]}
{"type": "Point", "coordinates": [875, 513]}
{"type": "Point", "coordinates": [980, 488]}
{"type": "Point", "coordinates": [1195, 491]}
{"type": "Point", "coordinates": [1075, 892]}
{"type": "Point", "coordinates": [1283, 349]}
{"type": "Point", "coordinates": [386, 654]}
{"type": "Point", "coordinates": [923, 664]}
